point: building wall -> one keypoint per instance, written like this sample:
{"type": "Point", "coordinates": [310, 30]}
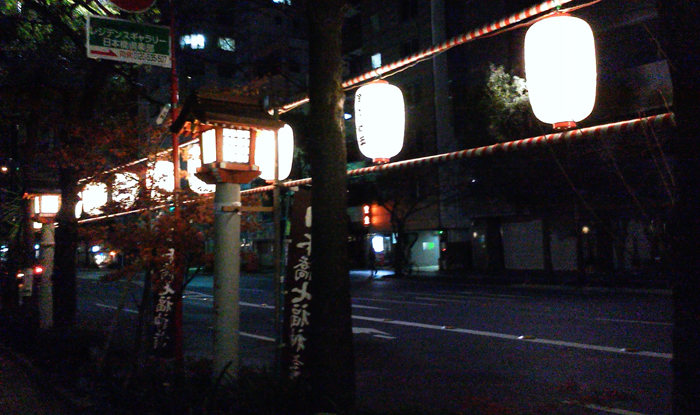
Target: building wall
{"type": "Point", "coordinates": [522, 244]}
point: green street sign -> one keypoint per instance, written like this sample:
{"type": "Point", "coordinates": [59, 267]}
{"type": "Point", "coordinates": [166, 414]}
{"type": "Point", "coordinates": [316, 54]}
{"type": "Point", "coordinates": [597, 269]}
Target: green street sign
{"type": "Point", "coordinates": [126, 41]}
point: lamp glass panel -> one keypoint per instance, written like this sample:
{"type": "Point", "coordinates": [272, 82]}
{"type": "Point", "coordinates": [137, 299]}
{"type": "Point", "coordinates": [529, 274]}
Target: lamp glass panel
{"type": "Point", "coordinates": [380, 119]}
{"type": "Point", "coordinates": [560, 66]}
{"type": "Point", "coordinates": [236, 146]}
{"type": "Point", "coordinates": [195, 162]}
{"type": "Point", "coordinates": [209, 146]}
{"type": "Point", "coordinates": [265, 153]}
{"type": "Point", "coordinates": [49, 204]}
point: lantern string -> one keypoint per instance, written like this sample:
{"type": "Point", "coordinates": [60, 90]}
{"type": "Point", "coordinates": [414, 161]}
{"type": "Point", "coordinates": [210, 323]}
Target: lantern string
{"type": "Point", "coordinates": [658, 121]}
{"type": "Point", "coordinates": [662, 120]}
{"type": "Point", "coordinates": [430, 52]}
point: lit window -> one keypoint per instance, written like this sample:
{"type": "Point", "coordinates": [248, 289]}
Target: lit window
{"type": "Point", "coordinates": [376, 60]}
{"type": "Point", "coordinates": [196, 41]}
{"type": "Point", "coordinates": [227, 44]}
{"type": "Point", "coordinates": [287, 2]}
{"type": "Point", "coordinates": [378, 243]}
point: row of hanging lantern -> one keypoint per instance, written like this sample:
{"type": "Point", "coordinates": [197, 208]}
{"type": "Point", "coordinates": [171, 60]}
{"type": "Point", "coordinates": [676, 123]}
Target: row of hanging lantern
{"type": "Point", "coordinates": [560, 67]}
{"type": "Point", "coordinates": [160, 178]}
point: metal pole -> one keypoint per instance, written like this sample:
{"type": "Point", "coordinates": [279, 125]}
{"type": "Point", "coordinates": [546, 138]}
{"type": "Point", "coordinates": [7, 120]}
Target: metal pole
{"type": "Point", "coordinates": [46, 286]}
{"type": "Point", "coordinates": [227, 269]}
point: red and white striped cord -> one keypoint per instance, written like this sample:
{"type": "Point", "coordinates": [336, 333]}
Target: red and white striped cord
{"type": "Point", "coordinates": [662, 120]}
{"type": "Point", "coordinates": [436, 49]}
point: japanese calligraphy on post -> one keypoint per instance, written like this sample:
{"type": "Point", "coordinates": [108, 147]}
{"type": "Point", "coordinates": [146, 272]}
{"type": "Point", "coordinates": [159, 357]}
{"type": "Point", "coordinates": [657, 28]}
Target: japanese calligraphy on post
{"type": "Point", "coordinates": [127, 41]}
{"type": "Point", "coordinates": [163, 327]}
{"type": "Point", "coordinates": [297, 317]}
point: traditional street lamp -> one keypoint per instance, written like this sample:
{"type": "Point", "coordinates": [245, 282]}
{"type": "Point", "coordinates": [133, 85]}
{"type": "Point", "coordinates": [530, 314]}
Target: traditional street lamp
{"type": "Point", "coordinates": [45, 207]}
{"type": "Point", "coordinates": [228, 129]}
{"type": "Point", "coordinates": [560, 66]}
{"type": "Point", "coordinates": [380, 119]}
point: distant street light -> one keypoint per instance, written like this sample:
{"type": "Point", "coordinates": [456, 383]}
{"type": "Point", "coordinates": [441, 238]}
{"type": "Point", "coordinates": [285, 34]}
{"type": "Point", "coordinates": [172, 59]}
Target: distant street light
{"type": "Point", "coordinates": [560, 67]}
{"type": "Point", "coordinates": [45, 208]}
{"type": "Point", "coordinates": [380, 119]}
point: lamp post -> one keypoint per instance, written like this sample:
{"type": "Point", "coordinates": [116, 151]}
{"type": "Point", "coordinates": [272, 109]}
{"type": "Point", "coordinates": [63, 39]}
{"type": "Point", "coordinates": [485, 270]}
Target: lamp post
{"type": "Point", "coordinates": [44, 210]}
{"type": "Point", "coordinates": [228, 130]}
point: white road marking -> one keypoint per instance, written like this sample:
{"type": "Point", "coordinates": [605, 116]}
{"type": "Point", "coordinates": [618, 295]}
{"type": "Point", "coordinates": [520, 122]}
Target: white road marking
{"type": "Point", "coordinates": [111, 307]}
{"type": "Point", "coordinates": [461, 299]}
{"type": "Point", "coordinates": [258, 337]}
{"type": "Point", "coordinates": [395, 301]}
{"type": "Point", "coordinates": [614, 320]}
{"type": "Point", "coordinates": [372, 332]}
{"type": "Point", "coordinates": [604, 408]}
{"type": "Point", "coordinates": [269, 307]}
{"type": "Point", "coordinates": [369, 307]}
{"type": "Point", "coordinates": [504, 336]}
{"type": "Point", "coordinates": [468, 294]}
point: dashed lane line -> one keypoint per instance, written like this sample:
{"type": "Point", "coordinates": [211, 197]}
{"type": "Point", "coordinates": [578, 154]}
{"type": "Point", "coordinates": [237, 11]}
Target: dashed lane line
{"type": "Point", "coordinates": [111, 307]}
{"type": "Point", "coordinates": [504, 336]}
{"type": "Point", "coordinates": [256, 336]}
{"type": "Point", "coordinates": [615, 320]}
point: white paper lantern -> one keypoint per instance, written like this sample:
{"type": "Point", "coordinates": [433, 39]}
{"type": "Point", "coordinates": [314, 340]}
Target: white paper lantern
{"type": "Point", "coordinates": [265, 153]}
{"type": "Point", "coordinates": [94, 196]}
{"type": "Point", "coordinates": [560, 66]}
{"type": "Point", "coordinates": [197, 185]}
{"type": "Point", "coordinates": [125, 189]}
{"type": "Point", "coordinates": [380, 119]}
{"type": "Point", "coordinates": [161, 178]}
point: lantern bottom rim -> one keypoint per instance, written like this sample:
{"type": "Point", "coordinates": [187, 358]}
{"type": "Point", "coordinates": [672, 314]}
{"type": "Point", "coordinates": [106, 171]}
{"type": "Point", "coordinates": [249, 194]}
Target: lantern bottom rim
{"type": "Point", "coordinates": [564, 125]}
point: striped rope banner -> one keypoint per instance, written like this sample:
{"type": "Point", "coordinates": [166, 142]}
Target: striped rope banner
{"type": "Point", "coordinates": [657, 121]}
{"type": "Point", "coordinates": [662, 120]}
{"type": "Point", "coordinates": [434, 50]}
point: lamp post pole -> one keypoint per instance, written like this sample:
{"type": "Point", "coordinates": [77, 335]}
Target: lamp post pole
{"type": "Point", "coordinates": [46, 287]}
{"type": "Point", "coordinates": [227, 269]}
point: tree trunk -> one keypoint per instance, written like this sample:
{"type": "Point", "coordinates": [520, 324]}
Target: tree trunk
{"type": "Point", "coordinates": [64, 288]}
{"type": "Point", "coordinates": [332, 370]}
{"type": "Point", "coordinates": [682, 47]}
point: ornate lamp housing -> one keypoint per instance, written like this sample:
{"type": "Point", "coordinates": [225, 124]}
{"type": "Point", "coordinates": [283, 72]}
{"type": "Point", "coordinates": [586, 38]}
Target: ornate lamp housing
{"type": "Point", "coordinates": [560, 66]}
{"type": "Point", "coordinates": [380, 119]}
{"type": "Point", "coordinates": [45, 207]}
{"type": "Point", "coordinates": [227, 128]}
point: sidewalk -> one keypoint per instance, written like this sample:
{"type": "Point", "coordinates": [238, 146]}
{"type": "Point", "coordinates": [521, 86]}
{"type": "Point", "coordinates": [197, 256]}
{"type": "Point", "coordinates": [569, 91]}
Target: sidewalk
{"type": "Point", "coordinates": [19, 393]}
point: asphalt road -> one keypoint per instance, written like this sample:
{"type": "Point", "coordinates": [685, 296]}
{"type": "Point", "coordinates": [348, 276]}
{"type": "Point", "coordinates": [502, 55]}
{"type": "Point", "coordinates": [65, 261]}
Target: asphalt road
{"type": "Point", "coordinates": [458, 348]}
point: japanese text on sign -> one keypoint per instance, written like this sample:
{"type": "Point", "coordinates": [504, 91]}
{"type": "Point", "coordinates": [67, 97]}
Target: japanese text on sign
{"type": "Point", "coordinates": [127, 41]}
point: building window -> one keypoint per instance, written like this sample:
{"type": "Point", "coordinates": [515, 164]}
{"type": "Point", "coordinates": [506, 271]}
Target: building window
{"type": "Point", "coordinates": [227, 44]}
{"type": "Point", "coordinates": [374, 20]}
{"type": "Point", "coordinates": [287, 2]}
{"type": "Point", "coordinates": [409, 10]}
{"type": "Point", "coordinates": [410, 47]}
{"type": "Point", "coordinates": [195, 41]}
{"type": "Point", "coordinates": [376, 60]}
